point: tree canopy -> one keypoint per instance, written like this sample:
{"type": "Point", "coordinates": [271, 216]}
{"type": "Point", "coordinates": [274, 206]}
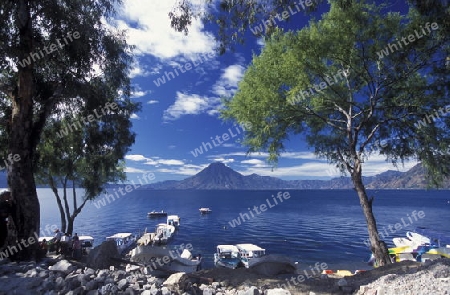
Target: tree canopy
{"type": "Point", "coordinates": [55, 55]}
{"type": "Point", "coordinates": [346, 82]}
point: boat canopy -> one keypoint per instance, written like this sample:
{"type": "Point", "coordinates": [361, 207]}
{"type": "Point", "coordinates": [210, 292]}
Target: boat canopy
{"type": "Point", "coordinates": [250, 250]}
{"type": "Point", "coordinates": [120, 236]}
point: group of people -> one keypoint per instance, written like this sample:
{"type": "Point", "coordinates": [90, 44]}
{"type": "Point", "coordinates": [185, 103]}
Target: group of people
{"type": "Point", "coordinates": [64, 244]}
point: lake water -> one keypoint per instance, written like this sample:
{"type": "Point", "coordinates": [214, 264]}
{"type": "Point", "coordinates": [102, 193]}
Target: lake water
{"type": "Point", "coordinates": [310, 226]}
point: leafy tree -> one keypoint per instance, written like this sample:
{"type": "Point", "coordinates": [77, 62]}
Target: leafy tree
{"type": "Point", "coordinates": [52, 52]}
{"type": "Point", "coordinates": [328, 82]}
{"type": "Point", "coordinates": [235, 17]}
{"type": "Point", "coordinates": [84, 155]}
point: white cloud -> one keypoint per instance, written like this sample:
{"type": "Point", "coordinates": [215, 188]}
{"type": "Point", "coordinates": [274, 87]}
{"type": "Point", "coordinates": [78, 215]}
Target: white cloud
{"type": "Point", "coordinates": [171, 162]}
{"type": "Point", "coordinates": [320, 168]}
{"type": "Point", "coordinates": [223, 160]}
{"type": "Point", "coordinates": [134, 170]}
{"type": "Point", "coordinates": [139, 93]}
{"type": "Point", "coordinates": [148, 28]}
{"type": "Point", "coordinates": [255, 162]}
{"type": "Point", "coordinates": [138, 70]}
{"type": "Point", "coordinates": [188, 170]}
{"type": "Point", "coordinates": [136, 158]}
{"type": "Point", "coordinates": [189, 104]}
{"type": "Point", "coordinates": [134, 116]}
{"type": "Point", "coordinates": [227, 84]}
{"type": "Point", "coordinates": [261, 42]}
{"type": "Point", "coordinates": [152, 101]}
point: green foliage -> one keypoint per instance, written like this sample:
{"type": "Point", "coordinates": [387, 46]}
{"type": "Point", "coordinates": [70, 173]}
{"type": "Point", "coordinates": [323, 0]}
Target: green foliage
{"type": "Point", "coordinates": [232, 18]}
{"type": "Point", "coordinates": [93, 66]}
{"type": "Point", "coordinates": [380, 98]}
{"type": "Point", "coordinates": [60, 62]}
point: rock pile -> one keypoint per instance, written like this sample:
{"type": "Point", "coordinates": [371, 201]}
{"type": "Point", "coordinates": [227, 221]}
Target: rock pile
{"type": "Point", "coordinates": [433, 277]}
{"type": "Point", "coordinates": [54, 276]}
{"type": "Point", "coordinates": [63, 277]}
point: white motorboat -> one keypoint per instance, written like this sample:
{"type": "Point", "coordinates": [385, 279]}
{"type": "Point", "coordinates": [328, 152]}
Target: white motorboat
{"type": "Point", "coordinates": [123, 241]}
{"type": "Point", "coordinates": [163, 233]}
{"type": "Point", "coordinates": [205, 210]}
{"type": "Point", "coordinates": [250, 253]}
{"type": "Point", "coordinates": [87, 244]}
{"type": "Point", "coordinates": [173, 220]}
{"type": "Point", "coordinates": [163, 259]}
{"type": "Point", "coordinates": [227, 256]}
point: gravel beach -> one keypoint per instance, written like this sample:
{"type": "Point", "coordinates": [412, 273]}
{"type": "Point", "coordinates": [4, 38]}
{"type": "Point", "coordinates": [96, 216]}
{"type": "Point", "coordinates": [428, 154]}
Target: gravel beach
{"type": "Point", "coordinates": [59, 276]}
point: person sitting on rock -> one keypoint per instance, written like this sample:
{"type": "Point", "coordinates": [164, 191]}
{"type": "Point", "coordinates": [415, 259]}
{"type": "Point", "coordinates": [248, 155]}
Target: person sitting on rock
{"type": "Point", "coordinates": [43, 248]}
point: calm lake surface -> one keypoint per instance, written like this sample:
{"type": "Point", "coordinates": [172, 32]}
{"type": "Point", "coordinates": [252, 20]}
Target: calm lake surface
{"type": "Point", "coordinates": [311, 226]}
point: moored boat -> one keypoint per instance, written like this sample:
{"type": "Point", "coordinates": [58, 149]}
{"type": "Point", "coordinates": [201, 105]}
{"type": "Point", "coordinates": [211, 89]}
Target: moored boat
{"type": "Point", "coordinates": [420, 245]}
{"type": "Point", "coordinates": [153, 213]}
{"type": "Point", "coordinates": [173, 220]}
{"type": "Point", "coordinates": [87, 244]}
{"type": "Point", "coordinates": [205, 210]}
{"type": "Point", "coordinates": [227, 256]}
{"type": "Point", "coordinates": [250, 253]}
{"type": "Point", "coordinates": [123, 241]}
{"type": "Point", "coordinates": [163, 259]}
{"type": "Point", "coordinates": [163, 233]}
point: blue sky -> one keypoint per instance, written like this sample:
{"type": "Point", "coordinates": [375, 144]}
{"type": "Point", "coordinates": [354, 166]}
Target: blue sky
{"type": "Point", "coordinates": [181, 114]}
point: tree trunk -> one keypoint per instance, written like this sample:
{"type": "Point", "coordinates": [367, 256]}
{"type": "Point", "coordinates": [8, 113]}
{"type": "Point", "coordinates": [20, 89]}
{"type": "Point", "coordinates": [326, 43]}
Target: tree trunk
{"type": "Point", "coordinates": [76, 211]}
{"type": "Point", "coordinates": [378, 247]}
{"type": "Point", "coordinates": [70, 225]}
{"type": "Point", "coordinates": [60, 206]}
{"type": "Point", "coordinates": [66, 204]}
{"type": "Point", "coordinates": [20, 173]}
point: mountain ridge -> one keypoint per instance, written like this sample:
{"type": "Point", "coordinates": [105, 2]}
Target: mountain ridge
{"type": "Point", "coordinates": [218, 176]}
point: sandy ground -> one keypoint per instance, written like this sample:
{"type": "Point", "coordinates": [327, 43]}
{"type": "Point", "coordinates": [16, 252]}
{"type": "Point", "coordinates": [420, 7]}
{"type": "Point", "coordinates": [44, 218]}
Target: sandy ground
{"type": "Point", "coordinates": [318, 285]}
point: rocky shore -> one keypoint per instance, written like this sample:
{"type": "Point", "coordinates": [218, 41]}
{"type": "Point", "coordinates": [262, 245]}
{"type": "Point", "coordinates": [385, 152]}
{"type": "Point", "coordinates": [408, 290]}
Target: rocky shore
{"type": "Point", "coordinates": [60, 276]}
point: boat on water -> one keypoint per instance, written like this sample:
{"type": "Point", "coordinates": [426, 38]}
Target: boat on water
{"type": "Point", "coordinates": [163, 233]}
{"type": "Point", "coordinates": [87, 244]}
{"type": "Point", "coordinates": [163, 260]}
{"type": "Point", "coordinates": [161, 213]}
{"type": "Point", "coordinates": [173, 220]}
{"type": "Point", "coordinates": [123, 241]}
{"type": "Point", "coordinates": [227, 256]}
{"type": "Point", "coordinates": [205, 210]}
{"type": "Point", "coordinates": [249, 253]}
{"type": "Point", "coordinates": [420, 245]}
